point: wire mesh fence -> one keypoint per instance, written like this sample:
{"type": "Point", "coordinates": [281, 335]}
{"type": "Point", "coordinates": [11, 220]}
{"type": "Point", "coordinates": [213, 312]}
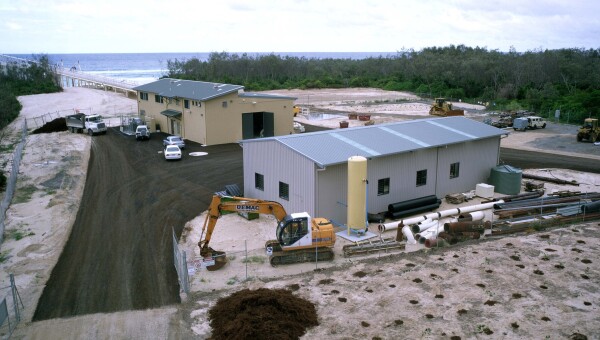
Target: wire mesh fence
{"type": "Point", "coordinates": [11, 182]}
{"type": "Point", "coordinates": [11, 307]}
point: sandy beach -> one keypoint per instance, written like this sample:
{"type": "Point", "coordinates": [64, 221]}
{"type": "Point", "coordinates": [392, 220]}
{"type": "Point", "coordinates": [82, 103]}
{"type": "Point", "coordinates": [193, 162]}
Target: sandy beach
{"type": "Point", "coordinates": [530, 285]}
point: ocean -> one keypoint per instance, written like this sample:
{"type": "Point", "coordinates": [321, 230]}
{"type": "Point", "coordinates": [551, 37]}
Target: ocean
{"type": "Point", "coordinates": [142, 68]}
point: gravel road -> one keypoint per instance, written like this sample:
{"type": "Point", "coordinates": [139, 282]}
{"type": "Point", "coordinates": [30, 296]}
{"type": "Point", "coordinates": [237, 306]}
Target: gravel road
{"type": "Point", "coordinates": [119, 255]}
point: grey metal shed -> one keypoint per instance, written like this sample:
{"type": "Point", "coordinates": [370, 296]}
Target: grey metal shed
{"type": "Point", "coordinates": [406, 160]}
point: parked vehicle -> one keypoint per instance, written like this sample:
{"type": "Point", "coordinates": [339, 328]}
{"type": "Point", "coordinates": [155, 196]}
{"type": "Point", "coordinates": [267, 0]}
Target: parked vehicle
{"type": "Point", "coordinates": [80, 122]}
{"type": "Point", "coordinates": [589, 131]}
{"type": "Point", "coordinates": [532, 122]}
{"type": "Point", "coordinates": [174, 140]}
{"type": "Point", "coordinates": [298, 128]}
{"type": "Point", "coordinates": [142, 132]}
{"type": "Point", "coordinates": [172, 152]}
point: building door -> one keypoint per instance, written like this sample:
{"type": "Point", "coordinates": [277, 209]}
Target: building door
{"type": "Point", "coordinates": [257, 125]}
{"type": "Point", "coordinates": [175, 127]}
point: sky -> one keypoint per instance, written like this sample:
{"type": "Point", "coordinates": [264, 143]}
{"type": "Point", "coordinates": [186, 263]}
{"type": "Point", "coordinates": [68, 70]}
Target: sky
{"type": "Point", "coordinates": [143, 26]}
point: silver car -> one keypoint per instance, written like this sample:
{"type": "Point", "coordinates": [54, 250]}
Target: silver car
{"type": "Point", "coordinates": [174, 140]}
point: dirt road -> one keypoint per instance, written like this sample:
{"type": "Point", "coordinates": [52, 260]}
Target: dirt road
{"type": "Point", "coordinates": [119, 254]}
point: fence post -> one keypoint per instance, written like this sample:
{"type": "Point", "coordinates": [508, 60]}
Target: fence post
{"type": "Point", "coordinates": [16, 299]}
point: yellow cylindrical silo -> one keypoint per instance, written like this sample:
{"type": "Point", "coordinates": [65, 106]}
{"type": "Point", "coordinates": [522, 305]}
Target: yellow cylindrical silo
{"type": "Point", "coordinates": [357, 194]}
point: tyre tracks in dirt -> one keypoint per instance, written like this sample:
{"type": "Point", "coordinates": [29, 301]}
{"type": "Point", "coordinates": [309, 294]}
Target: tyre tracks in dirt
{"type": "Point", "coordinates": [119, 255]}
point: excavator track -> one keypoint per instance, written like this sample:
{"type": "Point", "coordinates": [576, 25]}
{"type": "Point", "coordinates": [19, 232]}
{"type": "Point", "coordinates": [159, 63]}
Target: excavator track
{"type": "Point", "coordinates": [368, 246]}
{"type": "Point", "coordinates": [280, 257]}
{"type": "Point", "coordinates": [299, 256]}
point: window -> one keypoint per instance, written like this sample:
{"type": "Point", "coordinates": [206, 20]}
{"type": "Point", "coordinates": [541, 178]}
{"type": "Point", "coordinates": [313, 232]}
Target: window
{"type": "Point", "coordinates": [144, 95]}
{"type": "Point", "coordinates": [158, 99]}
{"type": "Point", "coordinates": [454, 170]}
{"type": "Point", "coordinates": [284, 191]}
{"type": "Point", "coordinates": [383, 186]}
{"type": "Point", "coordinates": [186, 103]}
{"type": "Point", "coordinates": [421, 177]}
{"type": "Point", "coordinates": [259, 181]}
{"type": "Point", "coordinates": [224, 104]}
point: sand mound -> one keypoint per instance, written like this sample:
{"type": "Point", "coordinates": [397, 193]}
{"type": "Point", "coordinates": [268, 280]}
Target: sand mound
{"type": "Point", "coordinates": [262, 314]}
{"type": "Point", "coordinates": [57, 125]}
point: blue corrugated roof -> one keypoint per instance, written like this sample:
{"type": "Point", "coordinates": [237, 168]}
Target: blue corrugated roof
{"type": "Point", "coordinates": [336, 146]}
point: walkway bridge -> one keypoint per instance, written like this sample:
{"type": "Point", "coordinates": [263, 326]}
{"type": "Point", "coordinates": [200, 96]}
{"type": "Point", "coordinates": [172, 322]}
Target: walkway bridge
{"type": "Point", "coordinates": [71, 77]}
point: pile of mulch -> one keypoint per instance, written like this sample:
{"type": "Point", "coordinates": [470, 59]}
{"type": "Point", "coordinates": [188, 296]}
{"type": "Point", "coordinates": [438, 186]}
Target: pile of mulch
{"type": "Point", "coordinates": [262, 314]}
{"type": "Point", "coordinates": [57, 125]}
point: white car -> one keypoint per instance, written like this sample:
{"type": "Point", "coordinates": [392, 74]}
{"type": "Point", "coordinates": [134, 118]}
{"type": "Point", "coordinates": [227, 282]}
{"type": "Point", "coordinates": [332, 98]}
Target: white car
{"type": "Point", "coordinates": [299, 128]}
{"type": "Point", "coordinates": [172, 152]}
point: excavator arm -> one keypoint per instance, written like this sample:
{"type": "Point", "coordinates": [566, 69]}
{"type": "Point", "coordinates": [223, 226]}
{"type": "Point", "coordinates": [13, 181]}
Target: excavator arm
{"type": "Point", "coordinates": [220, 204]}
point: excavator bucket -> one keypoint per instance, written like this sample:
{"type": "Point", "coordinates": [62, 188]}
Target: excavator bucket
{"type": "Point", "coordinates": [219, 258]}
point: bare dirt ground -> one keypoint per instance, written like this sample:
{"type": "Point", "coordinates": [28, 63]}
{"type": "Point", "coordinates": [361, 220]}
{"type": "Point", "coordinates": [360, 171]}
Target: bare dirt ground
{"type": "Point", "coordinates": [538, 285]}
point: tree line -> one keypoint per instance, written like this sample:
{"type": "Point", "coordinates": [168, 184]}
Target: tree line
{"type": "Point", "coordinates": [23, 78]}
{"type": "Point", "coordinates": [539, 80]}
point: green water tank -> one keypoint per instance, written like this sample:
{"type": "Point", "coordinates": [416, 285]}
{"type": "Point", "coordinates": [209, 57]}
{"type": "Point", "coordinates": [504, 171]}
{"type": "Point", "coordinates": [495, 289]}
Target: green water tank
{"type": "Point", "coordinates": [506, 179]}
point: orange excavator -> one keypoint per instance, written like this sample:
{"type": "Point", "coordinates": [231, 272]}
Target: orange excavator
{"type": "Point", "coordinates": [298, 237]}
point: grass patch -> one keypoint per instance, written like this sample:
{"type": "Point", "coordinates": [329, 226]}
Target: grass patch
{"type": "Point", "coordinates": [4, 256]}
{"type": "Point", "coordinates": [8, 148]}
{"type": "Point", "coordinates": [254, 259]}
{"type": "Point", "coordinates": [17, 234]}
{"type": "Point", "coordinates": [24, 194]}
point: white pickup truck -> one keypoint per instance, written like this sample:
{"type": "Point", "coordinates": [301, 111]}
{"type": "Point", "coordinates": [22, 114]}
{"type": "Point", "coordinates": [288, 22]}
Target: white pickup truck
{"type": "Point", "coordinates": [80, 122]}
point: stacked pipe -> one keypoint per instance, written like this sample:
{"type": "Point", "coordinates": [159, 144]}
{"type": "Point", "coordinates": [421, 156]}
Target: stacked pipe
{"type": "Point", "coordinates": [518, 197]}
{"type": "Point", "coordinates": [436, 215]}
{"type": "Point", "coordinates": [414, 206]}
{"type": "Point", "coordinates": [545, 204]}
{"type": "Point", "coordinates": [544, 200]}
{"type": "Point", "coordinates": [455, 232]}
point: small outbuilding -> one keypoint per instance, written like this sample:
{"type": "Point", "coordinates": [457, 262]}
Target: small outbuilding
{"type": "Point", "coordinates": [212, 113]}
{"type": "Point", "coordinates": [406, 160]}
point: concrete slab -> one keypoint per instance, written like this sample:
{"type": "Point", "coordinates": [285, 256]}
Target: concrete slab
{"type": "Point", "coordinates": [354, 237]}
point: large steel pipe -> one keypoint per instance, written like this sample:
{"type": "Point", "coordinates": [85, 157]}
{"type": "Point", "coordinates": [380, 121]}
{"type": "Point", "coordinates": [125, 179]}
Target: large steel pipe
{"type": "Point", "coordinates": [460, 227]}
{"type": "Point", "coordinates": [410, 204]}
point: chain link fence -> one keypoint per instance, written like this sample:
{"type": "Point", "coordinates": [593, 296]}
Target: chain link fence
{"type": "Point", "coordinates": [11, 182]}
{"type": "Point", "coordinates": [11, 306]}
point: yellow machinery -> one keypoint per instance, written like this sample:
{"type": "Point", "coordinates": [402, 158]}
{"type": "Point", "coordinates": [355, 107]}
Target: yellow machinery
{"type": "Point", "coordinates": [589, 131]}
{"type": "Point", "coordinates": [443, 108]}
{"type": "Point", "coordinates": [299, 238]}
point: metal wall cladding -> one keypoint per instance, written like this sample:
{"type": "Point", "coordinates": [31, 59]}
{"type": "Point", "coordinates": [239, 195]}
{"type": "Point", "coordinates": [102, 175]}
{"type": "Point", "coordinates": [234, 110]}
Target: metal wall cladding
{"type": "Point", "coordinates": [506, 179]}
{"type": "Point", "coordinates": [323, 192]}
{"type": "Point", "coordinates": [476, 158]}
{"type": "Point", "coordinates": [278, 163]}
